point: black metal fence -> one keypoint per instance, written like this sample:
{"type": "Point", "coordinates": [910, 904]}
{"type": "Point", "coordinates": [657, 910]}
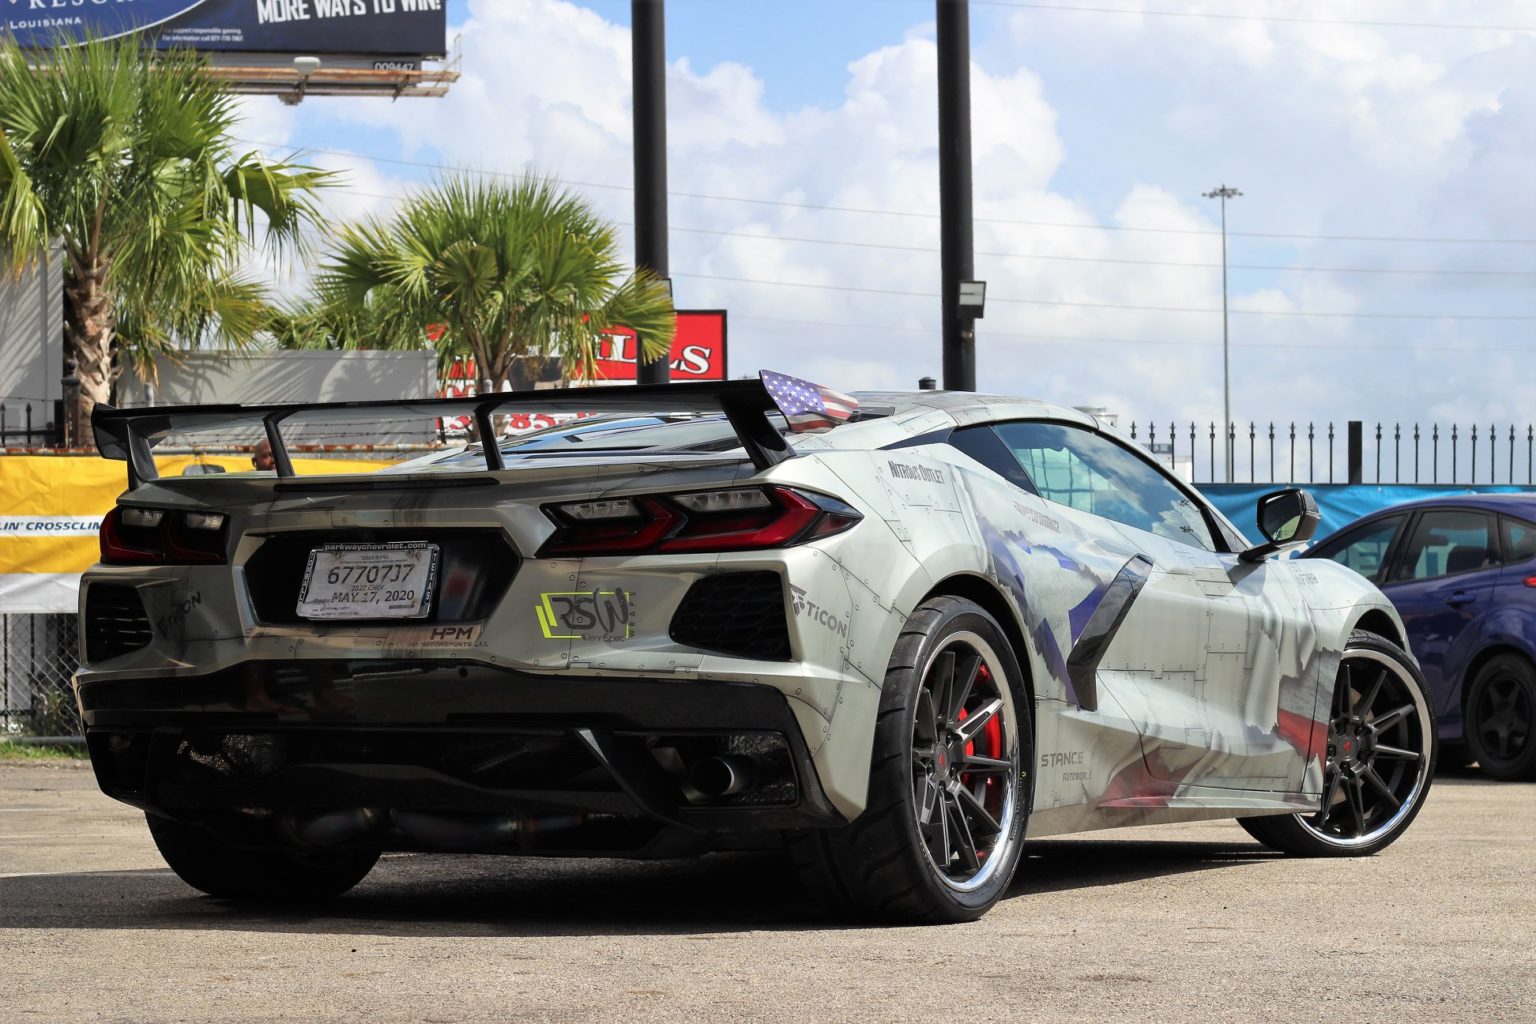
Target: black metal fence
{"type": "Point", "coordinates": [17, 429]}
{"type": "Point", "coordinates": [1312, 453]}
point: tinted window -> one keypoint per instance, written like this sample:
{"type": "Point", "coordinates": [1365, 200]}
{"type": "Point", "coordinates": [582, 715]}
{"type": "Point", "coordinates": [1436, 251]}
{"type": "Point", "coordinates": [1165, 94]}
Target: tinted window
{"type": "Point", "coordinates": [1364, 550]}
{"type": "Point", "coordinates": [982, 444]}
{"type": "Point", "coordinates": [1447, 542]}
{"type": "Point", "coordinates": [1074, 467]}
{"type": "Point", "coordinates": [602, 436]}
{"type": "Point", "coordinates": [1519, 540]}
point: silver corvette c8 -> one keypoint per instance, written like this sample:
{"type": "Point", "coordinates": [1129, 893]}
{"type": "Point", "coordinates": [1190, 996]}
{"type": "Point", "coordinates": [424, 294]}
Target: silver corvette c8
{"type": "Point", "coordinates": [897, 634]}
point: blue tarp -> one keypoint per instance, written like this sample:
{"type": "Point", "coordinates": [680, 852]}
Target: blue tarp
{"type": "Point", "coordinates": [1340, 504]}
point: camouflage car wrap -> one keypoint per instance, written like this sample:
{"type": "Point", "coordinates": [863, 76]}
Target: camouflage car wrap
{"type": "Point", "coordinates": [1169, 682]}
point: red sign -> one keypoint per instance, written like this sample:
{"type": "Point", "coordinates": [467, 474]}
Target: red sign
{"type": "Point", "coordinates": [698, 349]}
{"type": "Point", "coordinates": [698, 353]}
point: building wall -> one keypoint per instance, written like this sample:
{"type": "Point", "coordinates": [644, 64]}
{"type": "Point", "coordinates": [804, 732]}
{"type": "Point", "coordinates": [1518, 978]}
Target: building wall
{"type": "Point", "coordinates": [273, 377]}
{"type": "Point", "coordinates": [31, 343]}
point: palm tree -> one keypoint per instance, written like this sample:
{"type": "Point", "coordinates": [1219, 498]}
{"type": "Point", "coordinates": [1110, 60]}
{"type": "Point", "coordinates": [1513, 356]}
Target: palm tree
{"type": "Point", "coordinates": [508, 269]}
{"type": "Point", "coordinates": [123, 157]}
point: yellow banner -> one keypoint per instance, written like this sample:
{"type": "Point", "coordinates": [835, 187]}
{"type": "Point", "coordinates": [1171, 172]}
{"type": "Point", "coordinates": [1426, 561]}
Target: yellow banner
{"type": "Point", "coordinates": [51, 505]}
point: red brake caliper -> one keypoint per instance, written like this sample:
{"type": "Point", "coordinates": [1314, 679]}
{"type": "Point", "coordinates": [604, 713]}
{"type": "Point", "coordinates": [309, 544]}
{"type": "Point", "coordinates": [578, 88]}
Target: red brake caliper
{"type": "Point", "coordinates": [992, 737]}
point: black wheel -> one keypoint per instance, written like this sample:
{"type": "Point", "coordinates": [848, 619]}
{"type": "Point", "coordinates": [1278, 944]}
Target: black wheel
{"type": "Point", "coordinates": [1500, 706]}
{"type": "Point", "coordinates": [206, 862]}
{"type": "Point", "coordinates": [942, 831]}
{"type": "Point", "coordinates": [1380, 758]}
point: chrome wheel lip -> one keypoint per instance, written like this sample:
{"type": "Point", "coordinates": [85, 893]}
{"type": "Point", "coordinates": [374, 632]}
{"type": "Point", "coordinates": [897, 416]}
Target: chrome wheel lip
{"type": "Point", "coordinates": [1410, 800]}
{"type": "Point", "coordinates": [999, 853]}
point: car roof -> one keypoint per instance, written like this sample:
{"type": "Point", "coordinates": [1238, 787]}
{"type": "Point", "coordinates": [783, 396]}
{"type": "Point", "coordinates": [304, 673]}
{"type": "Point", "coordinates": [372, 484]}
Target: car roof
{"type": "Point", "coordinates": [1489, 502]}
{"type": "Point", "coordinates": [969, 407]}
{"type": "Point", "coordinates": [1510, 503]}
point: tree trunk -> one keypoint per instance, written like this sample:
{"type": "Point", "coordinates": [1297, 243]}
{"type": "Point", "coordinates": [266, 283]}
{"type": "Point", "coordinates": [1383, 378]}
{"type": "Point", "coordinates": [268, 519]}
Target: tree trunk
{"type": "Point", "coordinates": [89, 329]}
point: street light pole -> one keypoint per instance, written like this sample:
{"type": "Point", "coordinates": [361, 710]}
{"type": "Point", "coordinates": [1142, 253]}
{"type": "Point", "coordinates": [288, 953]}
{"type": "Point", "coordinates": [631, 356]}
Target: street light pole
{"type": "Point", "coordinates": [1225, 192]}
{"type": "Point", "coordinates": [648, 52]}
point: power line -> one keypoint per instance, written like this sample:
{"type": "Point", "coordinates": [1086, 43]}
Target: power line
{"type": "Point", "coordinates": [1074, 338]}
{"type": "Point", "coordinates": [1108, 259]}
{"type": "Point", "coordinates": [1284, 19]}
{"type": "Point", "coordinates": [908, 293]}
{"type": "Point", "coordinates": [913, 213]}
{"type": "Point", "coordinates": [1480, 272]}
{"type": "Point", "coordinates": [1111, 305]}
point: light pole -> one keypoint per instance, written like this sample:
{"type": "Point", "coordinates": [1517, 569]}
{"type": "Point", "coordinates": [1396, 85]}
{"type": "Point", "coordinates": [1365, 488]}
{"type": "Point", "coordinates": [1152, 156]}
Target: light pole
{"type": "Point", "coordinates": [1225, 192]}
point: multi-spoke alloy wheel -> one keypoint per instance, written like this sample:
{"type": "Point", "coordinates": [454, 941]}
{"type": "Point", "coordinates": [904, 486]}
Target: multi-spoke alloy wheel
{"type": "Point", "coordinates": [1501, 713]}
{"type": "Point", "coordinates": [964, 758]}
{"type": "Point", "coordinates": [941, 833]}
{"type": "Point", "coordinates": [1380, 756]}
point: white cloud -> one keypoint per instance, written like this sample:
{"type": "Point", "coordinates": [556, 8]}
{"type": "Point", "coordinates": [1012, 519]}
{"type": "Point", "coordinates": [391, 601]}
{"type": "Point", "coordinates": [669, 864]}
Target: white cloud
{"type": "Point", "coordinates": [1328, 129]}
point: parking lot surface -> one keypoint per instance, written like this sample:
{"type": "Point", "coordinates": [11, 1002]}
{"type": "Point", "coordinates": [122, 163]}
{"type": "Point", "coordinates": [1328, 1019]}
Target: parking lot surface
{"type": "Point", "coordinates": [1173, 923]}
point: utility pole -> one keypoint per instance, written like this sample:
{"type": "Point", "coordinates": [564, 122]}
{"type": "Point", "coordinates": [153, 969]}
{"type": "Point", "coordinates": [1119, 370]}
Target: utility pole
{"type": "Point", "coordinates": [648, 55]}
{"type": "Point", "coordinates": [1225, 192]}
{"type": "Point", "coordinates": [956, 248]}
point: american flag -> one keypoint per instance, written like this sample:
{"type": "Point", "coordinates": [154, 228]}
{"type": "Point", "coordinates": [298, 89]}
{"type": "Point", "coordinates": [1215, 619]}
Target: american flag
{"type": "Point", "coordinates": [805, 405]}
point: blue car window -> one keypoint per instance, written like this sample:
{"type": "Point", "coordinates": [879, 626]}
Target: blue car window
{"type": "Point", "coordinates": [1519, 540]}
{"type": "Point", "coordinates": [1447, 542]}
{"type": "Point", "coordinates": [1364, 550]}
{"type": "Point", "coordinates": [1077, 468]}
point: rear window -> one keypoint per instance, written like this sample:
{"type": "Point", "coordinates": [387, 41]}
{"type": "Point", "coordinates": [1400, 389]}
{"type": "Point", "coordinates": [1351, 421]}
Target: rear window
{"type": "Point", "coordinates": [604, 436]}
{"type": "Point", "coordinates": [1519, 540]}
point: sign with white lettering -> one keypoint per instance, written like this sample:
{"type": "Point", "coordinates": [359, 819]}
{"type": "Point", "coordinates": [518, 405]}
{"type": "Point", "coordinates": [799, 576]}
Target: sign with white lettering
{"type": "Point", "coordinates": [698, 349]}
{"type": "Point", "coordinates": [354, 27]}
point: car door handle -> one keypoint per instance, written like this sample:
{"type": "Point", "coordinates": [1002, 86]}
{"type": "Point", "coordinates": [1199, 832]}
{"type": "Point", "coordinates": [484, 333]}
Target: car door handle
{"type": "Point", "coordinates": [1459, 598]}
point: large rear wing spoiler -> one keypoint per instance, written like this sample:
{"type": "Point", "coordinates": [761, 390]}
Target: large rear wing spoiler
{"type": "Point", "coordinates": [131, 434]}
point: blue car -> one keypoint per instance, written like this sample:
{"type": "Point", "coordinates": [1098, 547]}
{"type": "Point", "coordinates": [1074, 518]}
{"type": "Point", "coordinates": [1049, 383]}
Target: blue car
{"type": "Point", "coordinates": [1462, 573]}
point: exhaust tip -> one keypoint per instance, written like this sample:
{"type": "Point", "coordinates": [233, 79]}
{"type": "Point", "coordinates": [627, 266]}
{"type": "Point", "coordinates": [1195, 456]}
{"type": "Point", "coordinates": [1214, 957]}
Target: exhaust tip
{"type": "Point", "coordinates": [718, 776]}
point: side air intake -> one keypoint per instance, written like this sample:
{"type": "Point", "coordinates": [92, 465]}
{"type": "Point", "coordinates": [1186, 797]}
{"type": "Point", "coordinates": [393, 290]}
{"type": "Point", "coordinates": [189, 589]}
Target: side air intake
{"type": "Point", "coordinates": [115, 621]}
{"type": "Point", "coordinates": [739, 613]}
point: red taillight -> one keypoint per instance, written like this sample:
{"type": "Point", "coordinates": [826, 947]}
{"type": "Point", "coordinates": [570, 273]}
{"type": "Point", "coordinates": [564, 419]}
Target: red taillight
{"type": "Point", "coordinates": [735, 519]}
{"type": "Point", "coordinates": [136, 536]}
{"type": "Point", "coordinates": [1530, 581]}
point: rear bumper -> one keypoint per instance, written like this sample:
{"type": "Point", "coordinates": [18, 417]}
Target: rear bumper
{"type": "Point", "coordinates": [449, 738]}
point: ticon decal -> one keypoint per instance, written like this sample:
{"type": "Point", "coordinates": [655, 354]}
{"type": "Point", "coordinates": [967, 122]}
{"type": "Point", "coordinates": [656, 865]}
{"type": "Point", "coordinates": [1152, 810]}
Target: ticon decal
{"type": "Point", "coordinates": [813, 611]}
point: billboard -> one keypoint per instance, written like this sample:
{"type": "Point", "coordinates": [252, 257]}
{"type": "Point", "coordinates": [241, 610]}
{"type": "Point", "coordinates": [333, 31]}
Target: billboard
{"type": "Point", "coordinates": [385, 27]}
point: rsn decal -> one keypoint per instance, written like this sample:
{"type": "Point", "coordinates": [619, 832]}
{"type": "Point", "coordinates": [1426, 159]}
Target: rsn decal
{"type": "Point", "coordinates": [816, 613]}
{"type": "Point", "coordinates": [587, 614]}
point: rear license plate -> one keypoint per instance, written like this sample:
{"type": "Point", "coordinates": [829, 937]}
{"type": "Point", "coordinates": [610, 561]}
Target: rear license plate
{"type": "Point", "coordinates": [369, 581]}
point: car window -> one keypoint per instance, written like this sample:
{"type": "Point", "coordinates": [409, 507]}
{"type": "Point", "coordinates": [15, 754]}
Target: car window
{"type": "Point", "coordinates": [1519, 540]}
{"type": "Point", "coordinates": [1365, 549]}
{"type": "Point", "coordinates": [982, 444]}
{"type": "Point", "coordinates": [1446, 542]}
{"type": "Point", "coordinates": [1080, 469]}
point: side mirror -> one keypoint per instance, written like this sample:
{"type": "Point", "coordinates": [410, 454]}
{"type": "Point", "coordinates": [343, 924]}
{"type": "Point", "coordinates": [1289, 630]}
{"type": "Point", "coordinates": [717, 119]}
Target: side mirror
{"type": "Point", "coordinates": [1287, 519]}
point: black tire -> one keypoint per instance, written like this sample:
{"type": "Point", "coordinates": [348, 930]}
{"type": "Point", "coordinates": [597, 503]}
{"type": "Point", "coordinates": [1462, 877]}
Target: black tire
{"type": "Point", "coordinates": [882, 865]}
{"type": "Point", "coordinates": [1380, 760]}
{"type": "Point", "coordinates": [219, 868]}
{"type": "Point", "coordinates": [1500, 714]}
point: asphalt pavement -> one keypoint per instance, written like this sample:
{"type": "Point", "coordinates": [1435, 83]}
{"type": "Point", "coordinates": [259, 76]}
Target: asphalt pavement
{"type": "Point", "coordinates": [1170, 923]}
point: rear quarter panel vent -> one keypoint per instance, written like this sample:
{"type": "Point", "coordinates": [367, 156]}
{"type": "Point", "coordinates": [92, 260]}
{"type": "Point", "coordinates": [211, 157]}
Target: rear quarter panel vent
{"type": "Point", "coordinates": [739, 613]}
{"type": "Point", "coordinates": [115, 622]}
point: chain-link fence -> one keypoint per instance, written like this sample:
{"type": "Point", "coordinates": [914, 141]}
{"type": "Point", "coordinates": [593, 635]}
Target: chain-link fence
{"type": "Point", "coordinates": [38, 654]}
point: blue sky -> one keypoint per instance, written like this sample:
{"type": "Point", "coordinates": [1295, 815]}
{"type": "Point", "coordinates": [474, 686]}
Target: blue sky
{"type": "Point", "coordinates": [1383, 264]}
